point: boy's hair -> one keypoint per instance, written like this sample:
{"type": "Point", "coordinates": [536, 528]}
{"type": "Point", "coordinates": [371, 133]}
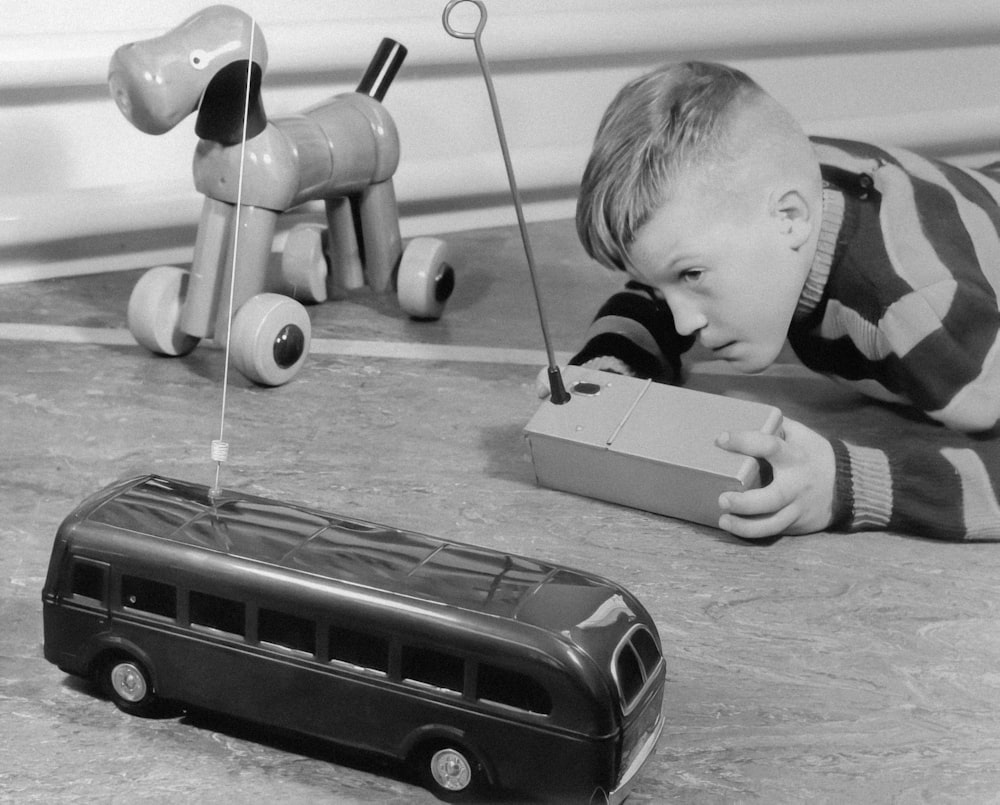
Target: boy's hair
{"type": "Point", "coordinates": [658, 125]}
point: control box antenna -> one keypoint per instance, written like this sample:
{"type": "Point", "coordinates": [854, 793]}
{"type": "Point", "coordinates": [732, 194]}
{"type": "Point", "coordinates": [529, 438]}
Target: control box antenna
{"type": "Point", "coordinates": [557, 390]}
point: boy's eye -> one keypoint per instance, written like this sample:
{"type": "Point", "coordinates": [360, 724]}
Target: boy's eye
{"type": "Point", "coordinates": [691, 274]}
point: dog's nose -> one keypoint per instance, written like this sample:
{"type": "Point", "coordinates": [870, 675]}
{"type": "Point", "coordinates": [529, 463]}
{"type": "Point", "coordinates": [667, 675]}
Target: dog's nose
{"type": "Point", "coordinates": [119, 91]}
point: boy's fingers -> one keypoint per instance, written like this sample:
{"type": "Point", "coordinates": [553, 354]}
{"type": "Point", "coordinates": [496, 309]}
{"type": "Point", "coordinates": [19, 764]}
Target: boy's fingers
{"type": "Point", "coordinates": [757, 527]}
{"type": "Point", "coordinates": [542, 383]}
{"type": "Point", "coordinates": [754, 502]}
{"type": "Point", "coordinates": [756, 513]}
{"type": "Point", "coordinates": [750, 443]}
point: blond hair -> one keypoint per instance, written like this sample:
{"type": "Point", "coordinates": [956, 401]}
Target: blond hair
{"type": "Point", "coordinates": [658, 126]}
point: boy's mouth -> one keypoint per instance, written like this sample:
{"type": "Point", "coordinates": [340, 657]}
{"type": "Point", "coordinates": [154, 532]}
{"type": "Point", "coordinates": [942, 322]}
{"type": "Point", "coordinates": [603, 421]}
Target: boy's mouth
{"type": "Point", "coordinates": [721, 349]}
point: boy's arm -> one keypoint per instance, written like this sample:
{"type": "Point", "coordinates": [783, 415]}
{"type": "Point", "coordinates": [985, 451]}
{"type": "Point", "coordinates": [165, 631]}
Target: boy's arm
{"type": "Point", "coordinates": [944, 488]}
{"type": "Point", "coordinates": [633, 333]}
{"type": "Point", "coordinates": [943, 485]}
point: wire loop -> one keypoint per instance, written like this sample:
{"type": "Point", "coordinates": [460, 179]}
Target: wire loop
{"type": "Point", "coordinates": [452, 31]}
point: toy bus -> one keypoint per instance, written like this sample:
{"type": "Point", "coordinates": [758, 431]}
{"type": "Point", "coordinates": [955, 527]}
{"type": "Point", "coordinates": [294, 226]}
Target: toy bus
{"type": "Point", "coordinates": [480, 669]}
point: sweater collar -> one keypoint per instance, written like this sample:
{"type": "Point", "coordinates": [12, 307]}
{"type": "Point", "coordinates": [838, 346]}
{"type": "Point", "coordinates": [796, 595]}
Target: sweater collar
{"type": "Point", "coordinates": [826, 246]}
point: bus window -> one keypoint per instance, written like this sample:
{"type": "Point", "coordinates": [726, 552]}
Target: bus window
{"type": "Point", "coordinates": [218, 613]}
{"type": "Point", "coordinates": [512, 689]}
{"type": "Point", "coordinates": [629, 674]}
{"type": "Point", "coordinates": [288, 631]}
{"type": "Point", "coordinates": [89, 580]}
{"type": "Point", "coordinates": [645, 647]}
{"type": "Point", "coordinates": [152, 597]}
{"type": "Point", "coordinates": [359, 649]}
{"type": "Point", "coordinates": [434, 668]}
{"type": "Point", "coordinates": [635, 661]}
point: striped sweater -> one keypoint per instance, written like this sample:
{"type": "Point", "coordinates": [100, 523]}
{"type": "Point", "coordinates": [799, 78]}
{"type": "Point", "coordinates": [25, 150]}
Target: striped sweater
{"type": "Point", "coordinates": [901, 304]}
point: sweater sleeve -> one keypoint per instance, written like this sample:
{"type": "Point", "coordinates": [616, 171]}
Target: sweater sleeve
{"type": "Point", "coordinates": [636, 328]}
{"type": "Point", "coordinates": [945, 488]}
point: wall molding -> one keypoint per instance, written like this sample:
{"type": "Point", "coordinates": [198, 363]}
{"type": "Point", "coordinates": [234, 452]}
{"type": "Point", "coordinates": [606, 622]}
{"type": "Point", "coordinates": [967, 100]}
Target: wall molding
{"type": "Point", "coordinates": [39, 218]}
{"type": "Point", "coordinates": [80, 59]}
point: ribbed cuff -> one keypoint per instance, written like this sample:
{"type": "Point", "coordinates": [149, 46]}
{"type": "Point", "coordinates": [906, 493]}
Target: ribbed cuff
{"type": "Point", "coordinates": [870, 488]}
{"type": "Point", "coordinates": [843, 493]}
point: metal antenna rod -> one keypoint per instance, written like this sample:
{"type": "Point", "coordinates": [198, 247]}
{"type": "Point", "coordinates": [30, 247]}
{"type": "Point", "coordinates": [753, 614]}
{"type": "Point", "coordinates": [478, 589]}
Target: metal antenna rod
{"type": "Point", "coordinates": [220, 448]}
{"type": "Point", "coordinates": [558, 393]}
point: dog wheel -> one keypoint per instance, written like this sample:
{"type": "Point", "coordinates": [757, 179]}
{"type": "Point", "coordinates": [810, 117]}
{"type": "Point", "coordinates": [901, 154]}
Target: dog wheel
{"type": "Point", "coordinates": [270, 338]}
{"type": "Point", "coordinates": [154, 311]}
{"type": "Point", "coordinates": [425, 280]}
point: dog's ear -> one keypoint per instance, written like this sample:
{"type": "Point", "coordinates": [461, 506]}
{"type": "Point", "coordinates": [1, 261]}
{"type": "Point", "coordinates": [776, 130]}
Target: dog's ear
{"type": "Point", "coordinates": [220, 114]}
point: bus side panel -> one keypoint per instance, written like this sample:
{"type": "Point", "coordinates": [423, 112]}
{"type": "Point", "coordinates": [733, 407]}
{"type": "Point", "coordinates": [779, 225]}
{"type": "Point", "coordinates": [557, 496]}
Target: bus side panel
{"type": "Point", "coordinates": [543, 760]}
{"type": "Point", "coordinates": [641, 722]}
{"type": "Point", "coordinates": [319, 700]}
{"type": "Point", "coordinates": [524, 753]}
{"type": "Point", "coordinates": [262, 686]}
{"type": "Point", "coordinates": [69, 632]}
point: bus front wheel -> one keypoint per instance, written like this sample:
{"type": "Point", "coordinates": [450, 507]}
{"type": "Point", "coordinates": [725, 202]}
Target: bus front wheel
{"type": "Point", "coordinates": [451, 772]}
{"type": "Point", "coordinates": [127, 683]}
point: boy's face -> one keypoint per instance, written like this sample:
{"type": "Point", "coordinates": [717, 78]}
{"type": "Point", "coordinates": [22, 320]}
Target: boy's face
{"type": "Point", "coordinates": [730, 271]}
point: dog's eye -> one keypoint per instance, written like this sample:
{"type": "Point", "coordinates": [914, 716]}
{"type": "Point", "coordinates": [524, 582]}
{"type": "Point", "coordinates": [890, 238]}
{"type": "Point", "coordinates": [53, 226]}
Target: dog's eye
{"type": "Point", "coordinates": [199, 59]}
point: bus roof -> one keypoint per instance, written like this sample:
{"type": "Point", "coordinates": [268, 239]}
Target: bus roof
{"type": "Point", "coordinates": [354, 551]}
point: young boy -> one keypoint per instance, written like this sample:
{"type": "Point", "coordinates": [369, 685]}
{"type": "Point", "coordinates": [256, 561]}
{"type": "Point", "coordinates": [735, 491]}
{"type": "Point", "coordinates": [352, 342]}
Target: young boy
{"type": "Point", "coordinates": [879, 267]}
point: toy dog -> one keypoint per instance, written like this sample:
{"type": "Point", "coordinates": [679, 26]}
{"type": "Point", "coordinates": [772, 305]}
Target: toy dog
{"type": "Point", "coordinates": [343, 151]}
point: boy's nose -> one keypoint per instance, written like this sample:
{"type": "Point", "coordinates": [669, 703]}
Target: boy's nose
{"type": "Point", "coordinates": [688, 320]}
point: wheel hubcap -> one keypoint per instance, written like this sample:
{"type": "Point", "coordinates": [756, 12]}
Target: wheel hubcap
{"type": "Point", "coordinates": [451, 770]}
{"type": "Point", "coordinates": [128, 682]}
{"type": "Point", "coordinates": [444, 284]}
{"type": "Point", "coordinates": [288, 345]}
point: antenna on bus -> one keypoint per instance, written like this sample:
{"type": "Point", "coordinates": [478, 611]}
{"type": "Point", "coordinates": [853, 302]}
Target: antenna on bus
{"type": "Point", "coordinates": [220, 447]}
{"type": "Point", "coordinates": [557, 391]}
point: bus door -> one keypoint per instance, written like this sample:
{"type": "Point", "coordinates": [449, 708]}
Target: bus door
{"type": "Point", "coordinates": [80, 609]}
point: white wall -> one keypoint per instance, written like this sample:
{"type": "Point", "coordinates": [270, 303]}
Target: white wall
{"type": "Point", "coordinates": [81, 190]}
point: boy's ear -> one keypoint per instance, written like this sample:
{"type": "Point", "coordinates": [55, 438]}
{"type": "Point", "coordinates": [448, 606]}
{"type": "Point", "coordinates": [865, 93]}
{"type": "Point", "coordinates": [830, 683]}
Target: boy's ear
{"type": "Point", "coordinates": [794, 217]}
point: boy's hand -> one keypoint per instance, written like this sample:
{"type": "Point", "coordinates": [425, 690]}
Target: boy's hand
{"type": "Point", "coordinates": [799, 500]}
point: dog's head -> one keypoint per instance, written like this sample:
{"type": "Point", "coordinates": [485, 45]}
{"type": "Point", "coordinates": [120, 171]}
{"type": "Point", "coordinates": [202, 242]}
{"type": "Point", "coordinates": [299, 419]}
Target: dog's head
{"type": "Point", "coordinates": [158, 82]}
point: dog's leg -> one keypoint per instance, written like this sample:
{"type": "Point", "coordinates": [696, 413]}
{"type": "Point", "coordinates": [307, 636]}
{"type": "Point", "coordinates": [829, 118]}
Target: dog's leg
{"type": "Point", "coordinates": [346, 272]}
{"type": "Point", "coordinates": [380, 234]}
{"type": "Point", "coordinates": [253, 250]}
{"type": "Point", "coordinates": [202, 300]}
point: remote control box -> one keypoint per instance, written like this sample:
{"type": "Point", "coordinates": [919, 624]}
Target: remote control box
{"type": "Point", "coordinates": [645, 445]}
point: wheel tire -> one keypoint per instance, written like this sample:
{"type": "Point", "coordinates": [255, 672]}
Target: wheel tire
{"type": "Point", "coordinates": [425, 280]}
{"type": "Point", "coordinates": [128, 684]}
{"type": "Point", "coordinates": [304, 266]}
{"type": "Point", "coordinates": [154, 312]}
{"type": "Point", "coordinates": [270, 338]}
{"type": "Point", "coordinates": [451, 772]}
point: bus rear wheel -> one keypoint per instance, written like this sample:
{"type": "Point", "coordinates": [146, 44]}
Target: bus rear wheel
{"type": "Point", "coordinates": [127, 683]}
{"type": "Point", "coordinates": [451, 772]}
